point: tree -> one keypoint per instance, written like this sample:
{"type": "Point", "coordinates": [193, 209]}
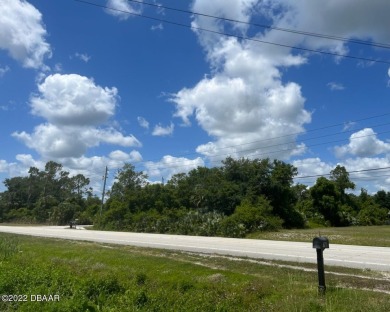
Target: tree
{"type": "Point", "coordinates": [382, 198]}
{"type": "Point", "coordinates": [51, 175]}
{"type": "Point", "coordinates": [79, 184]}
{"type": "Point", "coordinates": [180, 188]}
{"type": "Point", "coordinates": [41, 192]}
{"type": "Point", "coordinates": [211, 192]}
{"type": "Point", "coordinates": [301, 191]}
{"type": "Point", "coordinates": [251, 176]}
{"type": "Point", "coordinates": [16, 195]}
{"type": "Point", "coordinates": [127, 181]}
{"type": "Point", "coordinates": [326, 198]}
{"type": "Point", "coordinates": [340, 177]}
{"type": "Point", "coordinates": [282, 195]}
{"type": "Point", "coordinates": [371, 213]}
{"type": "Point", "coordinates": [63, 213]}
{"type": "Point", "coordinates": [34, 186]}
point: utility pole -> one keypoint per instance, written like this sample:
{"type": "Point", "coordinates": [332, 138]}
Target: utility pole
{"type": "Point", "coordinates": [104, 189]}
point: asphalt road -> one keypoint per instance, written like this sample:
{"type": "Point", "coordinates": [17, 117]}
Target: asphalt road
{"type": "Point", "coordinates": [374, 258]}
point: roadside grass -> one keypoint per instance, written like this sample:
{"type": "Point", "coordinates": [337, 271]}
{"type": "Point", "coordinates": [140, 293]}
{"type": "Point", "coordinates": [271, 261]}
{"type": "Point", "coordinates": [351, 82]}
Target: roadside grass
{"type": "Point", "coordinates": [352, 235]}
{"type": "Point", "coordinates": [99, 277]}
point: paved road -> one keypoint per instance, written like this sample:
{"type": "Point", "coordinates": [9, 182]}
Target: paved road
{"type": "Point", "coordinates": [375, 258]}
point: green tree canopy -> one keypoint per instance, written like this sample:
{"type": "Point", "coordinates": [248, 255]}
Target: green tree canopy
{"type": "Point", "coordinates": [340, 177]}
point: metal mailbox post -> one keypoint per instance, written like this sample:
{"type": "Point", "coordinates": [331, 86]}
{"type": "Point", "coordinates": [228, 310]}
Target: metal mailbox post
{"type": "Point", "coordinates": [320, 243]}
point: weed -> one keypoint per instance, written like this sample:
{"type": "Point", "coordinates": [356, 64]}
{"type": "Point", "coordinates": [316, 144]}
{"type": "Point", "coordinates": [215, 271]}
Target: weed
{"type": "Point", "coordinates": [140, 279]}
{"type": "Point", "coordinates": [141, 299]}
{"type": "Point", "coordinates": [103, 286]}
{"type": "Point", "coordinates": [185, 286]}
{"type": "Point", "coordinates": [9, 246]}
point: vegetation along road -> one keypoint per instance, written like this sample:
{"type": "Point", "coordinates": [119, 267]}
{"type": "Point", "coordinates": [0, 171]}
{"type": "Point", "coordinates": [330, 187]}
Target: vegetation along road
{"type": "Point", "coordinates": [364, 257]}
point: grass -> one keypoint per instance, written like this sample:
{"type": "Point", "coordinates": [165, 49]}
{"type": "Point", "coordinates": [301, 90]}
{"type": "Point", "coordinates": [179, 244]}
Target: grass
{"type": "Point", "coordinates": [99, 277]}
{"type": "Point", "coordinates": [352, 235]}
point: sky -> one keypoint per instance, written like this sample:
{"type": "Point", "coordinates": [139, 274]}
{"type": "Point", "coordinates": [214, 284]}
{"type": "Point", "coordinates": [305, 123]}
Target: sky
{"type": "Point", "coordinates": [172, 85]}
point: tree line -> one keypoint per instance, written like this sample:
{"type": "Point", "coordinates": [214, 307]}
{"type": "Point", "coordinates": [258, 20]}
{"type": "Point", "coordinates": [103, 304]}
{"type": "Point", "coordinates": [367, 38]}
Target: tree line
{"type": "Point", "coordinates": [239, 197]}
{"type": "Point", "coordinates": [48, 196]}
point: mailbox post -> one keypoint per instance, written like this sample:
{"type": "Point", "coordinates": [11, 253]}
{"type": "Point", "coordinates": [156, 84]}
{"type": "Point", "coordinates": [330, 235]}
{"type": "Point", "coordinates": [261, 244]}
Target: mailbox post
{"type": "Point", "coordinates": [73, 223]}
{"type": "Point", "coordinates": [320, 243]}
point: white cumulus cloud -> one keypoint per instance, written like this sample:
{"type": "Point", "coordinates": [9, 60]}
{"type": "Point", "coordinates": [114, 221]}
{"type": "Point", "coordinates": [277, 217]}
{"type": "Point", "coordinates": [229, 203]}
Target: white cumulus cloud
{"type": "Point", "coordinates": [159, 130]}
{"type": "Point", "coordinates": [3, 165]}
{"type": "Point", "coordinates": [22, 33]}
{"type": "Point", "coordinates": [244, 103]}
{"type": "Point", "coordinates": [143, 122]}
{"type": "Point", "coordinates": [363, 171]}
{"type": "Point", "coordinates": [122, 156]}
{"type": "Point", "coordinates": [54, 142]}
{"type": "Point", "coordinates": [363, 143]}
{"type": "Point", "coordinates": [73, 100]}
{"type": "Point", "coordinates": [170, 165]}
{"type": "Point", "coordinates": [122, 8]}
{"type": "Point", "coordinates": [365, 20]}
{"type": "Point", "coordinates": [312, 166]}
{"type": "Point", "coordinates": [76, 110]}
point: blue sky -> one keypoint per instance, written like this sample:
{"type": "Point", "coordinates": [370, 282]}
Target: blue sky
{"type": "Point", "coordinates": [90, 87]}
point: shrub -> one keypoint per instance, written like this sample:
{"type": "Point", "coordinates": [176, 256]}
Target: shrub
{"type": "Point", "coordinates": [251, 216]}
{"type": "Point", "coordinates": [21, 215]}
{"type": "Point", "coordinates": [372, 214]}
{"type": "Point", "coordinates": [94, 288]}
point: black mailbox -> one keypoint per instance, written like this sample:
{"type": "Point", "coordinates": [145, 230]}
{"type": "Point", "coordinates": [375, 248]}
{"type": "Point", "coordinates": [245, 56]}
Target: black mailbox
{"type": "Point", "coordinates": [320, 242]}
{"type": "Point", "coordinates": [72, 224]}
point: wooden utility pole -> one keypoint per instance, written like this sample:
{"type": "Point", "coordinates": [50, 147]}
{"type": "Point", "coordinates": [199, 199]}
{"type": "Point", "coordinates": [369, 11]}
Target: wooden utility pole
{"type": "Point", "coordinates": [104, 189]}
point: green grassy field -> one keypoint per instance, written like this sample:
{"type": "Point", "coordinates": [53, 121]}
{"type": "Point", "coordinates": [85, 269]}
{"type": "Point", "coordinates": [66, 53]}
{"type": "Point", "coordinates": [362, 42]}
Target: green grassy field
{"type": "Point", "coordinates": [352, 235]}
{"type": "Point", "coordinates": [98, 277]}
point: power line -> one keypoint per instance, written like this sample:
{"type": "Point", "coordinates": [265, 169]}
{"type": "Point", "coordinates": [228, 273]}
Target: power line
{"type": "Point", "coordinates": [179, 162]}
{"type": "Point", "coordinates": [260, 41]}
{"type": "Point", "coordinates": [353, 175]}
{"type": "Point", "coordinates": [349, 172]}
{"type": "Point", "coordinates": [237, 36]}
{"type": "Point", "coordinates": [167, 166]}
{"type": "Point", "coordinates": [305, 132]}
{"type": "Point", "coordinates": [294, 134]}
{"type": "Point", "coordinates": [370, 178]}
{"type": "Point", "coordinates": [140, 15]}
{"type": "Point", "coordinates": [294, 31]}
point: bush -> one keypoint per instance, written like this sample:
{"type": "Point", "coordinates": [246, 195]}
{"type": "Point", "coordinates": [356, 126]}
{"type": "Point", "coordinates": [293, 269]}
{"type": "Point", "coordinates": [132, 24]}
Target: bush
{"type": "Point", "coordinates": [173, 221]}
{"type": "Point", "coordinates": [231, 227]}
{"type": "Point", "coordinates": [251, 217]}
{"type": "Point", "coordinates": [372, 215]}
{"type": "Point", "coordinates": [95, 288]}
{"type": "Point", "coordinates": [21, 215]}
